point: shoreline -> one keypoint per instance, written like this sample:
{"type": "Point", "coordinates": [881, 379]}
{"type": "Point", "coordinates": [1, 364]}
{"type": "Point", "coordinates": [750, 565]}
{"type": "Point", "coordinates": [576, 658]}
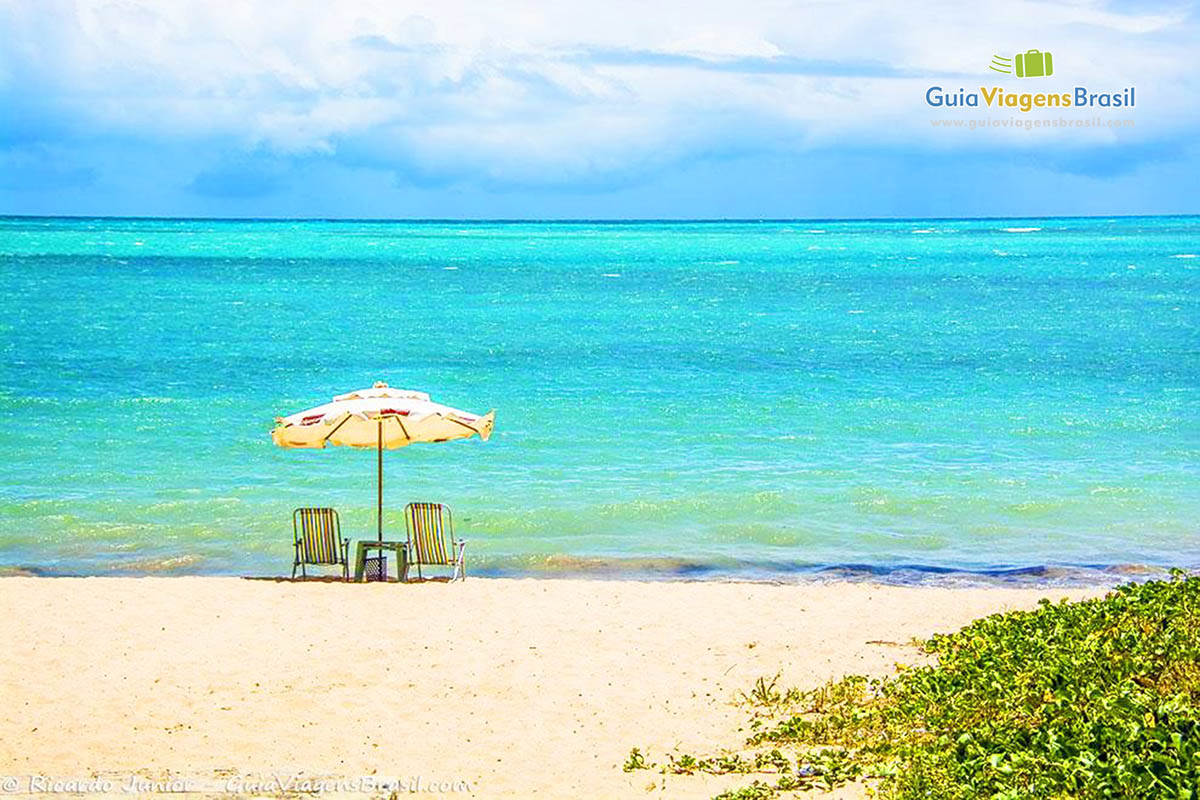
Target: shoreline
{"type": "Point", "coordinates": [666, 570]}
{"type": "Point", "coordinates": [517, 686]}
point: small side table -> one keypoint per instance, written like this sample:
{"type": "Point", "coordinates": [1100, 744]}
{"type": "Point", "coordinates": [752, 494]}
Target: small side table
{"type": "Point", "coordinates": [364, 545]}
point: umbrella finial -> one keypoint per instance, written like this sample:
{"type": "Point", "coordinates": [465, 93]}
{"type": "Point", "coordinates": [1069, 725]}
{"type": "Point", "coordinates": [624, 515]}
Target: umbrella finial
{"type": "Point", "coordinates": [380, 385]}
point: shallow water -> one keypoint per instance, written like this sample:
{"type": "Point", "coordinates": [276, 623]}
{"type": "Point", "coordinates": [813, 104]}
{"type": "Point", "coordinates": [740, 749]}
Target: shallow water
{"type": "Point", "coordinates": [695, 399]}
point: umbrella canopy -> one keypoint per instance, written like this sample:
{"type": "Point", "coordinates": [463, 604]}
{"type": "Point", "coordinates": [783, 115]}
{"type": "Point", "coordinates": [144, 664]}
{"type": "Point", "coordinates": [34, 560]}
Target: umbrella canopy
{"type": "Point", "coordinates": [380, 417]}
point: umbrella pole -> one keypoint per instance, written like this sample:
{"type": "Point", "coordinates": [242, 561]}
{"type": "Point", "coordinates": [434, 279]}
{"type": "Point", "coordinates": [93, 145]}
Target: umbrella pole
{"type": "Point", "coordinates": [379, 482]}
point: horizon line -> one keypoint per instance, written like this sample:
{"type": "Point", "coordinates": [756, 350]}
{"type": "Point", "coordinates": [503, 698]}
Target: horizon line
{"type": "Point", "coordinates": [584, 220]}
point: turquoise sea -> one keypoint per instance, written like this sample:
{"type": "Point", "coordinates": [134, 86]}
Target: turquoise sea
{"type": "Point", "coordinates": [901, 398]}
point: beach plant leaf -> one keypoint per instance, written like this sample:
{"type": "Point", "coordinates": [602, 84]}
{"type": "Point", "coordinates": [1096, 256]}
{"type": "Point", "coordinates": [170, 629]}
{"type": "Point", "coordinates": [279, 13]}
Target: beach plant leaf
{"type": "Point", "coordinates": [636, 761]}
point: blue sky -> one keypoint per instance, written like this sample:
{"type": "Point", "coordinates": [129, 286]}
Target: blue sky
{"type": "Point", "coordinates": [588, 109]}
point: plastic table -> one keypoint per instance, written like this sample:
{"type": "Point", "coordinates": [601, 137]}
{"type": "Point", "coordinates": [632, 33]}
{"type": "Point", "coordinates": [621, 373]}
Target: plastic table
{"type": "Point", "coordinates": [364, 545]}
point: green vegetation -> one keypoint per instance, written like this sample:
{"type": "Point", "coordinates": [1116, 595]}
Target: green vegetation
{"type": "Point", "coordinates": [1095, 699]}
{"type": "Point", "coordinates": [635, 761]}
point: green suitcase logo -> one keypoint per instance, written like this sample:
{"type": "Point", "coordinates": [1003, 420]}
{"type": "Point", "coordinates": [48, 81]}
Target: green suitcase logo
{"type": "Point", "coordinates": [1034, 64]}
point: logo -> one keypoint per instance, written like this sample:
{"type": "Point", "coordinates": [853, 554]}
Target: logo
{"type": "Point", "coordinates": [1030, 64]}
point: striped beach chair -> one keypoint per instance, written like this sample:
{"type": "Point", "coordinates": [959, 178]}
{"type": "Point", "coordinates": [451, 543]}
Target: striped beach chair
{"type": "Point", "coordinates": [431, 538]}
{"type": "Point", "coordinates": [317, 534]}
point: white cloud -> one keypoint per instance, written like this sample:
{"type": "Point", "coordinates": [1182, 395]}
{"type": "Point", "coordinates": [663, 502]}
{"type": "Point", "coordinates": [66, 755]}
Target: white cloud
{"type": "Point", "coordinates": [543, 93]}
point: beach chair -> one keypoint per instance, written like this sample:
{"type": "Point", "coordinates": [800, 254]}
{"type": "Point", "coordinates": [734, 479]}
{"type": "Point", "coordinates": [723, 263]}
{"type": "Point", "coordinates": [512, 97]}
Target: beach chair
{"type": "Point", "coordinates": [431, 539]}
{"type": "Point", "coordinates": [317, 536]}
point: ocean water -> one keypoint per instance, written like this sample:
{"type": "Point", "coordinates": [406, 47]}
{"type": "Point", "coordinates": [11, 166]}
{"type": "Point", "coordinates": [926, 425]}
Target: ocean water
{"type": "Point", "coordinates": [917, 397]}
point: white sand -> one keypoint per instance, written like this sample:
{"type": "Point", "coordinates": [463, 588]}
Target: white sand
{"type": "Point", "coordinates": [523, 688]}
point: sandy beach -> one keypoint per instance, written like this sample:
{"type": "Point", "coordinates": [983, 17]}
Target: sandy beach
{"type": "Point", "coordinates": [488, 688]}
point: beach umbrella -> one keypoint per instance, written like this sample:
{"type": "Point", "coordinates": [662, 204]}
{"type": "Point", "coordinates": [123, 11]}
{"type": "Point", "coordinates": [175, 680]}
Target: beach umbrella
{"type": "Point", "coordinates": [381, 418]}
